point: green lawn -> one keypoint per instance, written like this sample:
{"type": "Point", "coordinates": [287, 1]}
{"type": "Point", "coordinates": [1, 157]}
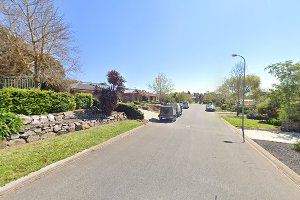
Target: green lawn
{"type": "Point", "coordinates": [20, 160]}
{"type": "Point", "coordinates": [249, 123]}
{"type": "Point", "coordinates": [225, 111]}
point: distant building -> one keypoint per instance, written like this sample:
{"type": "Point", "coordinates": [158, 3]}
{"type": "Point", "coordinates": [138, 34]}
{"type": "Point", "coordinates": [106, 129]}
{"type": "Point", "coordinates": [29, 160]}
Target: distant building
{"type": "Point", "coordinates": [248, 102]}
{"type": "Point", "coordinates": [86, 87]}
{"type": "Point", "coordinates": [131, 95]}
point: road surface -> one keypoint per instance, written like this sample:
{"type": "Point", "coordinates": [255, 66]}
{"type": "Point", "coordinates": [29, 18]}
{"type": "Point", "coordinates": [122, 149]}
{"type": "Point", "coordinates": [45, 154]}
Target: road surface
{"type": "Point", "coordinates": [187, 159]}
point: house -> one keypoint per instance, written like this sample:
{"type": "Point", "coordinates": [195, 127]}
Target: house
{"type": "Point", "coordinates": [248, 102]}
{"type": "Point", "coordinates": [131, 95]}
{"type": "Point", "coordinates": [86, 87]}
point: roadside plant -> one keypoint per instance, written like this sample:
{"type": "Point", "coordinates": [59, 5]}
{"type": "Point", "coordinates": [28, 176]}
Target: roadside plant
{"type": "Point", "coordinates": [287, 92]}
{"type": "Point", "coordinates": [131, 111]}
{"type": "Point", "coordinates": [9, 124]}
{"type": "Point", "coordinates": [108, 99]}
{"type": "Point", "coordinates": [296, 146]}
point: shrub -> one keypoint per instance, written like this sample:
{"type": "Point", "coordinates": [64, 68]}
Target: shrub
{"type": "Point", "coordinates": [62, 102]}
{"type": "Point", "coordinates": [267, 108]}
{"type": "Point", "coordinates": [9, 124]}
{"type": "Point", "coordinates": [96, 102]}
{"type": "Point", "coordinates": [33, 101]}
{"type": "Point", "coordinates": [107, 100]}
{"type": "Point", "coordinates": [275, 122]}
{"type": "Point", "coordinates": [291, 111]}
{"type": "Point", "coordinates": [224, 106]}
{"type": "Point", "coordinates": [83, 100]}
{"type": "Point", "coordinates": [254, 115]}
{"type": "Point", "coordinates": [296, 146]}
{"type": "Point", "coordinates": [130, 110]}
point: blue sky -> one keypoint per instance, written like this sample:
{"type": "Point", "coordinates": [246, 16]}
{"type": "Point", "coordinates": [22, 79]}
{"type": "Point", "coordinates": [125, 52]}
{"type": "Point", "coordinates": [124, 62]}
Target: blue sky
{"type": "Point", "coordinates": [191, 41]}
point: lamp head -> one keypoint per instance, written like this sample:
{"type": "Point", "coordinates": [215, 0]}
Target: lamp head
{"type": "Point", "coordinates": [234, 55]}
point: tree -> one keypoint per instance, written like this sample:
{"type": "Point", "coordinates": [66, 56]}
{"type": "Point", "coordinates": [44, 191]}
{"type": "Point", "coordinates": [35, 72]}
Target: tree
{"type": "Point", "coordinates": [108, 97]}
{"type": "Point", "coordinates": [116, 80]}
{"type": "Point", "coordinates": [213, 97]}
{"type": "Point", "coordinates": [237, 84]}
{"type": "Point", "coordinates": [232, 91]}
{"type": "Point", "coordinates": [183, 97]}
{"type": "Point", "coordinates": [287, 92]}
{"type": "Point", "coordinates": [11, 63]}
{"type": "Point", "coordinates": [161, 85]}
{"type": "Point", "coordinates": [38, 25]}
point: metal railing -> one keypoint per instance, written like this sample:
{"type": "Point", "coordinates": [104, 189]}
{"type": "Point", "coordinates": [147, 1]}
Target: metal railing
{"type": "Point", "coordinates": [23, 82]}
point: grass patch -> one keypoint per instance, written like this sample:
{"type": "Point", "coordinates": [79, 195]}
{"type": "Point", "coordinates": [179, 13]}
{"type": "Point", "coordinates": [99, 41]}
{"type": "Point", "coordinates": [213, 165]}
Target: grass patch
{"type": "Point", "coordinates": [296, 146]}
{"type": "Point", "coordinates": [249, 123]}
{"type": "Point", "coordinates": [224, 111]}
{"type": "Point", "coordinates": [21, 160]}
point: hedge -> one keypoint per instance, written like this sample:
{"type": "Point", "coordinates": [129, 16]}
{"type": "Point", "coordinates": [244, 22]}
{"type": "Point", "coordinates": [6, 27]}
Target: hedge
{"type": "Point", "coordinates": [9, 124]}
{"type": "Point", "coordinates": [83, 100]}
{"type": "Point", "coordinates": [34, 102]}
{"type": "Point", "coordinates": [130, 110]}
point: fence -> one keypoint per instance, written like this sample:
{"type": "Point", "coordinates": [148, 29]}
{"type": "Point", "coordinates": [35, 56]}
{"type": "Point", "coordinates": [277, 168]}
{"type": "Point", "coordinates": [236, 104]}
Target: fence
{"type": "Point", "coordinates": [24, 82]}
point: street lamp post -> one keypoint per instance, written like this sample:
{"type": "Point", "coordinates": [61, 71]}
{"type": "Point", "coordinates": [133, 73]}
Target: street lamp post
{"type": "Point", "coordinates": [243, 104]}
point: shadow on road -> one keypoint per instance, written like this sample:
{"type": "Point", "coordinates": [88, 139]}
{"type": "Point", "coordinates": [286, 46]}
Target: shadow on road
{"type": "Point", "coordinates": [229, 142]}
{"type": "Point", "coordinates": [160, 121]}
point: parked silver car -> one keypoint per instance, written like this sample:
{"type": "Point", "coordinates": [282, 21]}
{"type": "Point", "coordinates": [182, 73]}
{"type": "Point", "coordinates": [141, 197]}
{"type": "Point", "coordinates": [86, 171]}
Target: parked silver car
{"type": "Point", "coordinates": [186, 105]}
{"type": "Point", "coordinates": [177, 108]}
{"type": "Point", "coordinates": [167, 112]}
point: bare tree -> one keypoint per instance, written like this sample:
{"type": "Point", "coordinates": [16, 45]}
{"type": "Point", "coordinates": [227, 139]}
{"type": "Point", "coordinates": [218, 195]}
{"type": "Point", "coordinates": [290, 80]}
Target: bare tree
{"type": "Point", "coordinates": [14, 59]}
{"type": "Point", "coordinates": [237, 82]}
{"type": "Point", "coordinates": [38, 24]}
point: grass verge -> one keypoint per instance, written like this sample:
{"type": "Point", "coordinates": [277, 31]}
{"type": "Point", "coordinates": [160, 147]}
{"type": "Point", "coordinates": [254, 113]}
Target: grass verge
{"type": "Point", "coordinates": [19, 161]}
{"type": "Point", "coordinates": [224, 111]}
{"type": "Point", "coordinates": [249, 123]}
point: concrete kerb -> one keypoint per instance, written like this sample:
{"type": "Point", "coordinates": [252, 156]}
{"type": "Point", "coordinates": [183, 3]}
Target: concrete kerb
{"type": "Point", "coordinates": [277, 163]}
{"type": "Point", "coordinates": [15, 185]}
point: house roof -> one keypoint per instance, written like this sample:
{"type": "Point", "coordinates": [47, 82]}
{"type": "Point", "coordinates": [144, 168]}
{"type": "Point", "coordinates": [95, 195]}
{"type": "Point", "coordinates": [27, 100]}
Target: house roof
{"type": "Point", "coordinates": [142, 92]}
{"type": "Point", "coordinates": [88, 85]}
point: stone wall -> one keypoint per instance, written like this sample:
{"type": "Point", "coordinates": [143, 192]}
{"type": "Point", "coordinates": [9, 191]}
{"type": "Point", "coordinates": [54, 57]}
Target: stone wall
{"type": "Point", "coordinates": [39, 127]}
{"type": "Point", "coordinates": [289, 125]}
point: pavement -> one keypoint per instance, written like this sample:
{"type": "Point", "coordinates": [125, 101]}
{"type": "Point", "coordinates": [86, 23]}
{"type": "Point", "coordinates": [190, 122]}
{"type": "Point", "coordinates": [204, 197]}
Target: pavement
{"type": "Point", "coordinates": [273, 136]}
{"type": "Point", "coordinates": [148, 115]}
{"type": "Point", "coordinates": [266, 135]}
{"type": "Point", "coordinates": [197, 157]}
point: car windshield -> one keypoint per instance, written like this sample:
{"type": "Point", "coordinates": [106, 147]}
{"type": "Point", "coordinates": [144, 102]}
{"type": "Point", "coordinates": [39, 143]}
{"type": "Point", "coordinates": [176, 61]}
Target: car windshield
{"type": "Point", "coordinates": [166, 110]}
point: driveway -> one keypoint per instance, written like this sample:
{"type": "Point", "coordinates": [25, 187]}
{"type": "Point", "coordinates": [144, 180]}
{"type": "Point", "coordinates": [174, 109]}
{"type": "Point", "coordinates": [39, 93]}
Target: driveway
{"type": "Point", "coordinates": [196, 157]}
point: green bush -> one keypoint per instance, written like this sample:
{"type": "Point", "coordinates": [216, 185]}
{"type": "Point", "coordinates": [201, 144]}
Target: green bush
{"type": "Point", "coordinates": [83, 101]}
{"type": "Point", "coordinates": [275, 122]}
{"type": "Point", "coordinates": [62, 102]}
{"type": "Point", "coordinates": [34, 102]}
{"type": "Point", "coordinates": [9, 124]}
{"type": "Point", "coordinates": [224, 106]}
{"type": "Point", "coordinates": [267, 108]}
{"type": "Point", "coordinates": [296, 146]}
{"type": "Point", "coordinates": [130, 110]}
{"type": "Point", "coordinates": [290, 111]}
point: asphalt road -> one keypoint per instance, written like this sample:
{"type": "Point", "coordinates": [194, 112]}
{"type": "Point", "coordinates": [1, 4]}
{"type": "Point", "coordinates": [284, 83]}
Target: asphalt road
{"type": "Point", "coordinates": [187, 159]}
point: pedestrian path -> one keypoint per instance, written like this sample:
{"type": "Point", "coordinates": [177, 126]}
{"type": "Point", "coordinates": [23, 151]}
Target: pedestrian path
{"type": "Point", "coordinates": [274, 136]}
{"type": "Point", "coordinates": [149, 114]}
